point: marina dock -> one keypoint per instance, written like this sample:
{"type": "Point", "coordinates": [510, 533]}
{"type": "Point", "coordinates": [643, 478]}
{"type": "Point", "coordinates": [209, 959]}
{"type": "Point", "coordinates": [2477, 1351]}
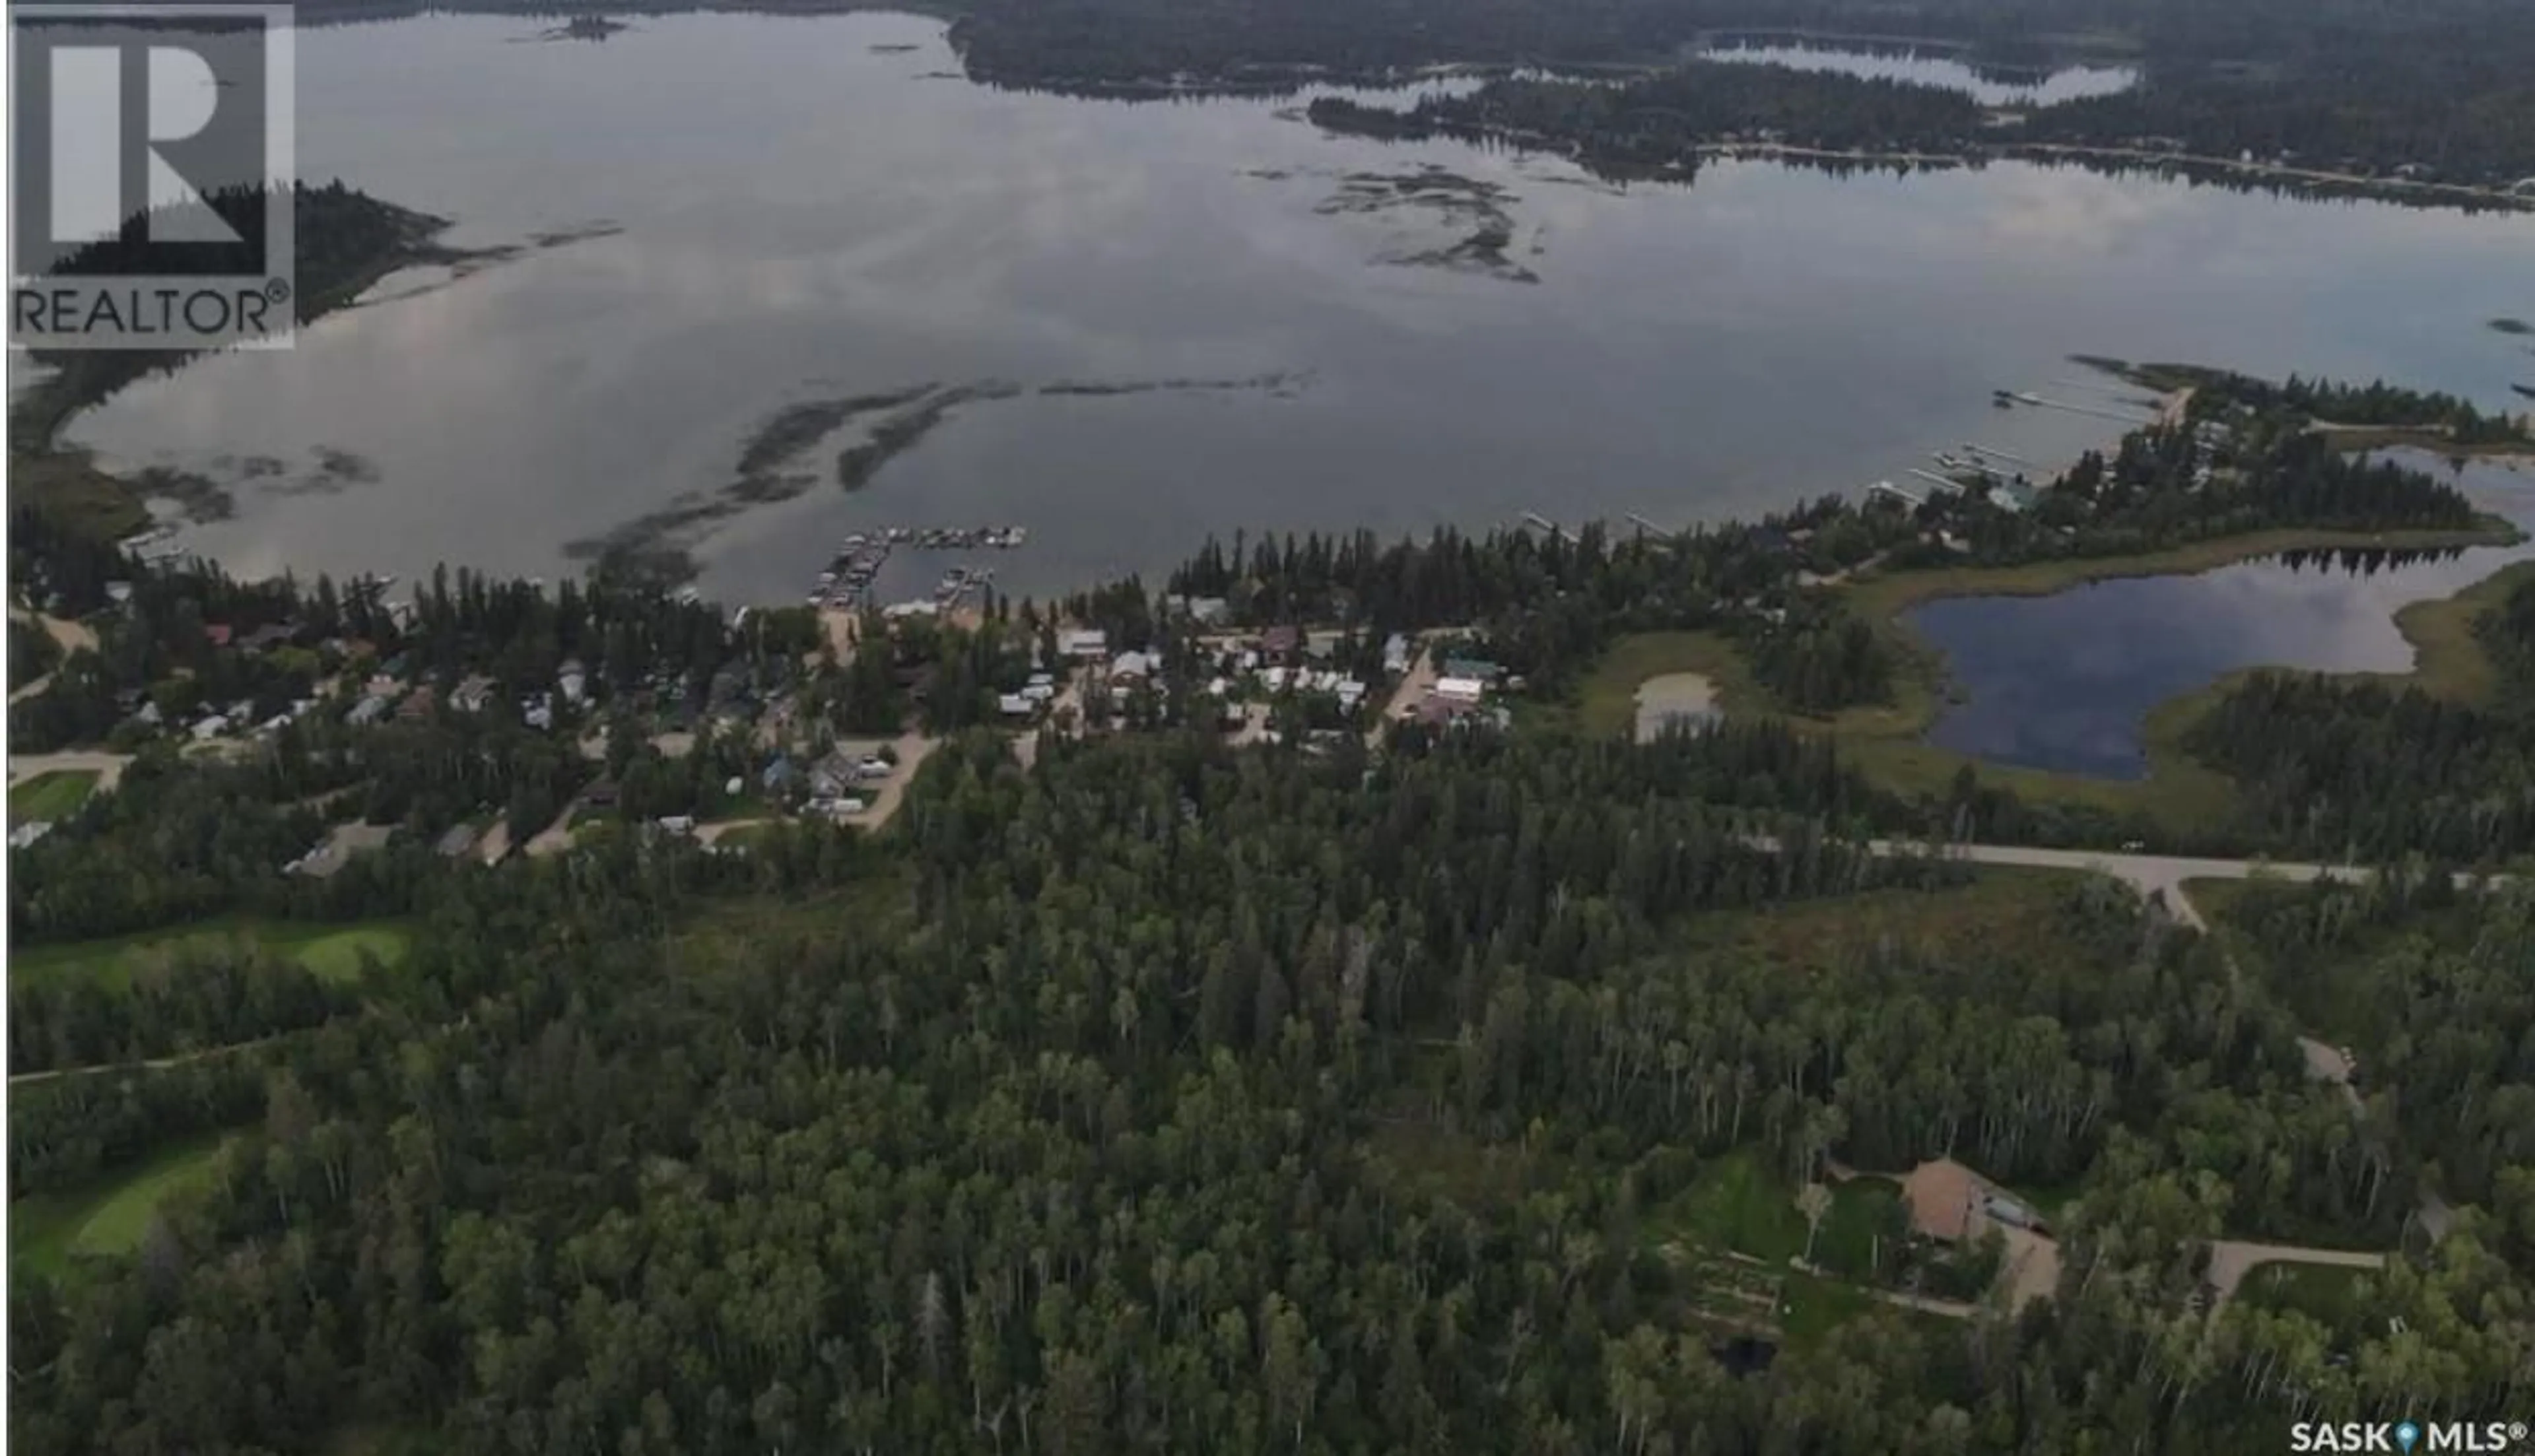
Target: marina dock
{"type": "Point", "coordinates": [846, 583]}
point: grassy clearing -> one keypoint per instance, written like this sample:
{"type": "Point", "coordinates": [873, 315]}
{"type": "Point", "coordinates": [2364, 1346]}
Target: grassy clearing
{"type": "Point", "coordinates": [2003, 913]}
{"type": "Point", "coordinates": [1861, 1209]}
{"type": "Point", "coordinates": [1816, 1306]}
{"type": "Point", "coordinates": [334, 952]}
{"type": "Point", "coordinates": [50, 795]}
{"type": "Point", "coordinates": [1607, 702]}
{"type": "Point", "coordinates": [1889, 596]}
{"type": "Point", "coordinates": [1738, 1203]}
{"type": "Point", "coordinates": [2450, 660]}
{"type": "Point", "coordinates": [49, 1233]}
{"type": "Point", "coordinates": [2337, 1297]}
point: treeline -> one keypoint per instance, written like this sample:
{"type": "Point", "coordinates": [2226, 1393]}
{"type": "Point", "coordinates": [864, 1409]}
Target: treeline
{"type": "Point", "coordinates": [1662, 120]}
{"type": "Point", "coordinates": [2375, 404]}
{"type": "Point", "coordinates": [63, 1131]}
{"type": "Point", "coordinates": [2373, 770]}
{"type": "Point", "coordinates": [191, 998]}
{"type": "Point", "coordinates": [1821, 660]}
{"type": "Point", "coordinates": [2506, 635]}
{"type": "Point", "coordinates": [1096, 1128]}
{"type": "Point", "coordinates": [180, 843]}
{"type": "Point", "coordinates": [343, 238]}
{"type": "Point", "coordinates": [2370, 770]}
{"type": "Point", "coordinates": [2366, 124]}
{"type": "Point", "coordinates": [2430, 987]}
{"type": "Point", "coordinates": [2440, 108]}
{"type": "Point", "coordinates": [33, 653]}
{"type": "Point", "coordinates": [2166, 487]}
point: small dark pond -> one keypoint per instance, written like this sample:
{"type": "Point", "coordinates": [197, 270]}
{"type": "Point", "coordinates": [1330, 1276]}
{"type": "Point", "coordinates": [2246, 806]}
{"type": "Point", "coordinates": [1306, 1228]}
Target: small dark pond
{"type": "Point", "coordinates": [2067, 681]}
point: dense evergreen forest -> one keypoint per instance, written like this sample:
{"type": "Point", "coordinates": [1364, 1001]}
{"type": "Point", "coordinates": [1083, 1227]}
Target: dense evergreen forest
{"type": "Point", "coordinates": [2377, 403]}
{"type": "Point", "coordinates": [1090, 1119]}
{"type": "Point", "coordinates": [2370, 771]}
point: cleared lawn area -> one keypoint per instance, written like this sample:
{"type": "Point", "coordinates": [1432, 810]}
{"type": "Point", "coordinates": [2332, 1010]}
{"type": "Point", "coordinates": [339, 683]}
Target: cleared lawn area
{"type": "Point", "coordinates": [1816, 1307]}
{"type": "Point", "coordinates": [1737, 1202]}
{"type": "Point", "coordinates": [50, 795]}
{"type": "Point", "coordinates": [1606, 704]}
{"type": "Point", "coordinates": [1860, 1209]}
{"type": "Point", "coordinates": [107, 1218]}
{"type": "Point", "coordinates": [332, 951]}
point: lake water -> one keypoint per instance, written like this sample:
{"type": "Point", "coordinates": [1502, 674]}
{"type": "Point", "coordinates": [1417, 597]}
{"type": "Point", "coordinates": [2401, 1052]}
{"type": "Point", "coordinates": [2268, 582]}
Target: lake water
{"type": "Point", "coordinates": [2065, 682]}
{"type": "Point", "coordinates": [1938, 68]}
{"type": "Point", "coordinates": [808, 209]}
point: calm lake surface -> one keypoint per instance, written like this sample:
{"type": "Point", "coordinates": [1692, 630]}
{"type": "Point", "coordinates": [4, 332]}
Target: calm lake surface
{"type": "Point", "coordinates": [2067, 681]}
{"type": "Point", "coordinates": [1933, 68]}
{"type": "Point", "coordinates": [808, 209]}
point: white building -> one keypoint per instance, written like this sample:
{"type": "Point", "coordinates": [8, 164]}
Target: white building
{"type": "Point", "coordinates": [1395, 655]}
{"type": "Point", "coordinates": [1461, 690]}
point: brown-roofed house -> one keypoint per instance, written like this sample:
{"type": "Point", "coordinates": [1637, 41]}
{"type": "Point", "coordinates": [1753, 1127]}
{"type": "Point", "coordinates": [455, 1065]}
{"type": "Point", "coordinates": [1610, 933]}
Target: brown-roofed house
{"type": "Point", "coordinates": [1953, 1204]}
{"type": "Point", "coordinates": [1944, 1198]}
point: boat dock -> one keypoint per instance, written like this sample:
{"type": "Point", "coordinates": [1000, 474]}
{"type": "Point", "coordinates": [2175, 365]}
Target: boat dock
{"type": "Point", "coordinates": [2024, 396]}
{"type": "Point", "coordinates": [846, 583]}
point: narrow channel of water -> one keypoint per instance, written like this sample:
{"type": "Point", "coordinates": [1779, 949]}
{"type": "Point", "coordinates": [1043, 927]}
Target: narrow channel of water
{"type": "Point", "coordinates": [1989, 85]}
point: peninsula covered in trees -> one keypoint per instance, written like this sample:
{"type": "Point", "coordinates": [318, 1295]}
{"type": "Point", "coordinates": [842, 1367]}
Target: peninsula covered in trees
{"type": "Point", "coordinates": [1664, 122]}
